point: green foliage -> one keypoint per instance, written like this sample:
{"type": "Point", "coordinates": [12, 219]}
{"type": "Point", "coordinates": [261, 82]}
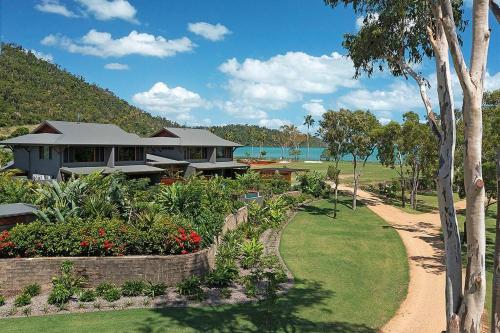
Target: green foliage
{"type": "Point", "coordinates": [313, 183]}
{"type": "Point", "coordinates": [22, 300]}
{"type": "Point", "coordinates": [103, 287]}
{"type": "Point", "coordinates": [112, 294]}
{"type": "Point", "coordinates": [133, 288]}
{"type": "Point", "coordinates": [87, 295]}
{"type": "Point", "coordinates": [34, 90]}
{"type": "Point", "coordinates": [65, 285]}
{"type": "Point", "coordinates": [223, 275]}
{"type": "Point", "coordinates": [2, 300]}
{"type": "Point", "coordinates": [251, 253]}
{"type": "Point", "coordinates": [14, 190]}
{"type": "Point", "coordinates": [32, 290]}
{"type": "Point", "coordinates": [154, 289]}
{"type": "Point", "coordinates": [190, 287]}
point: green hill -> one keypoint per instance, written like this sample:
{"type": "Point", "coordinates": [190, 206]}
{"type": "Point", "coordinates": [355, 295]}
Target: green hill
{"type": "Point", "coordinates": [33, 90]}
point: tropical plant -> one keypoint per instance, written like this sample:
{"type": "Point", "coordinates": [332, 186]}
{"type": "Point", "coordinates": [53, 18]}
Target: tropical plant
{"type": "Point", "coordinates": [251, 253]}
{"type": "Point", "coordinates": [87, 295]}
{"type": "Point", "coordinates": [112, 294]}
{"type": "Point", "coordinates": [65, 285]}
{"type": "Point", "coordinates": [223, 275]}
{"type": "Point", "coordinates": [22, 300]}
{"type": "Point", "coordinates": [190, 287]}
{"type": "Point", "coordinates": [2, 300]}
{"type": "Point", "coordinates": [154, 289]}
{"type": "Point", "coordinates": [133, 288]}
{"type": "Point", "coordinates": [32, 290]}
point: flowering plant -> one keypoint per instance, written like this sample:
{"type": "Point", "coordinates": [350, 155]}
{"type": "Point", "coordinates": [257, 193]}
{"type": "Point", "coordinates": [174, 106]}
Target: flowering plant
{"type": "Point", "coordinates": [186, 242]}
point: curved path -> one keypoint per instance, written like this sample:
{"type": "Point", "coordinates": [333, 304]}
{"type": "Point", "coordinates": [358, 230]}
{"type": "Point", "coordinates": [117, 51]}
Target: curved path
{"type": "Point", "coordinates": [423, 310]}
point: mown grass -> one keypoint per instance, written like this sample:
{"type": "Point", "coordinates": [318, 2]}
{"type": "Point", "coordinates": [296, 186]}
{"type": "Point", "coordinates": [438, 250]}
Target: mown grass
{"type": "Point", "coordinates": [351, 275]}
{"type": "Point", "coordinates": [372, 173]}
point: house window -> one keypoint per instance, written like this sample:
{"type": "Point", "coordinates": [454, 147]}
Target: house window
{"type": "Point", "coordinates": [224, 152]}
{"type": "Point", "coordinates": [195, 153]}
{"type": "Point", "coordinates": [45, 153]}
{"type": "Point", "coordinates": [129, 154]}
{"type": "Point", "coordinates": [83, 154]}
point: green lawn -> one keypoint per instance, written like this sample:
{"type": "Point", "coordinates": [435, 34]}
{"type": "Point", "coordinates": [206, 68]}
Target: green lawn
{"type": "Point", "coordinates": [351, 275]}
{"type": "Point", "coordinates": [426, 202]}
{"type": "Point", "coordinates": [372, 173]}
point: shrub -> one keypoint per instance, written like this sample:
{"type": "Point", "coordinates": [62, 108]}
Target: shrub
{"type": "Point", "coordinates": [2, 300]}
{"type": "Point", "coordinates": [251, 252]}
{"type": "Point", "coordinates": [32, 290]}
{"type": "Point", "coordinates": [154, 289]}
{"type": "Point", "coordinates": [190, 287]}
{"type": "Point", "coordinates": [133, 288]}
{"type": "Point", "coordinates": [87, 295]}
{"type": "Point", "coordinates": [313, 183]}
{"type": "Point", "coordinates": [112, 294]}
{"type": "Point", "coordinates": [59, 295]}
{"type": "Point", "coordinates": [103, 287]}
{"type": "Point", "coordinates": [222, 276]}
{"type": "Point", "coordinates": [22, 300]}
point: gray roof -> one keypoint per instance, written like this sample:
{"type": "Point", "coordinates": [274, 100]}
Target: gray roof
{"type": "Point", "coordinates": [17, 209]}
{"type": "Point", "coordinates": [159, 160]}
{"type": "Point", "coordinates": [93, 134]}
{"type": "Point", "coordinates": [218, 165]}
{"type": "Point", "coordinates": [127, 169]}
{"type": "Point", "coordinates": [199, 137]}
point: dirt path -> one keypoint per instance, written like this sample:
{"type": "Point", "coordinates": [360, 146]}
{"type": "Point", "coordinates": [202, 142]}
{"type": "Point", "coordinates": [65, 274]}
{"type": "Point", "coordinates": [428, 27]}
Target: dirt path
{"type": "Point", "coordinates": [423, 309]}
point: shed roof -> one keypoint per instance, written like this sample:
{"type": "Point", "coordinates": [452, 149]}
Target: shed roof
{"type": "Point", "coordinates": [197, 137]}
{"type": "Point", "coordinates": [159, 160]}
{"type": "Point", "coordinates": [17, 209]}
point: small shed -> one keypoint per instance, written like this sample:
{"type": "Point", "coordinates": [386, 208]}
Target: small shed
{"type": "Point", "coordinates": [12, 214]}
{"type": "Point", "coordinates": [284, 171]}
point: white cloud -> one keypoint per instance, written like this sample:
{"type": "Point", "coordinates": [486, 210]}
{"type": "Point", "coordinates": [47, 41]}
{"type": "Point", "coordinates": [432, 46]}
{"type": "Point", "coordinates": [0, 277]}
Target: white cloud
{"type": "Point", "coordinates": [110, 9]}
{"type": "Point", "coordinates": [209, 31]}
{"type": "Point", "coordinates": [44, 56]}
{"type": "Point", "coordinates": [54, 7]}
{"type": "Point", "coordinates": [273, 123]}
{"type": "Point", "coordinates": [115, 66]}
{"type": "Point", "coordinates": [283, 79]}
{"type": "Point", "coordinates": [314, 107]}
{"type": "Point", "coordinates": [102, 44]}
{"type": "Point", "coordinates": [164, 100]}
{"type": "Point", "coordinates": [241, 110]}
{"type": "Point", "coordinates": [492, 82]}
{"type": "Point", "coordinates": [360, 21]}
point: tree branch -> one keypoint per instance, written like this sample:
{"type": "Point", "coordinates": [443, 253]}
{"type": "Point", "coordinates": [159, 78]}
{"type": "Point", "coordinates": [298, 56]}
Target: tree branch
{"type": "Point", "coordinates": [456, 51]}
{"type": "Point", "coordinates": [423, 84]}
{"type": "Point", "coordinates": [495, 8]}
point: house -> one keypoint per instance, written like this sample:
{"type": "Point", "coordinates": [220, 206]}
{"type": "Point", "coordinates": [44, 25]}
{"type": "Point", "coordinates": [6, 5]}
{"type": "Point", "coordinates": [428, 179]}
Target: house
{"type": "Point", "coordinates": [15, 213]}
{"type": "Point", "coordinates": [58, 149]}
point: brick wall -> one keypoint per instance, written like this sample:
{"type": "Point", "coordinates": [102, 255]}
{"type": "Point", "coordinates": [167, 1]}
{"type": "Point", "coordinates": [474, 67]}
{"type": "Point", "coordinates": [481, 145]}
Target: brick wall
{"type": "Point", "coordinates": [15, 273]}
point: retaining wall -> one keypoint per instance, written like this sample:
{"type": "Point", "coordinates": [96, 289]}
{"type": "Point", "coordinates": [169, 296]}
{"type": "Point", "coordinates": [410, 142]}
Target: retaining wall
{"type": "Point", "coordinates": [16, 273]}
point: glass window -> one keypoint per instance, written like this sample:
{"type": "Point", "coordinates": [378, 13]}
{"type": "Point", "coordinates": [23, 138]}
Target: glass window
{"type": "Point", "coordinates": [83, 154]}
{"type": "Point", "coordinates": [45, 153]}
{"type": "Point", "coordinates": [129, 153]}
{"type": "Point", "coordinates": [224, 152]}
{"type": "Point", "coordinates": [195, 153]}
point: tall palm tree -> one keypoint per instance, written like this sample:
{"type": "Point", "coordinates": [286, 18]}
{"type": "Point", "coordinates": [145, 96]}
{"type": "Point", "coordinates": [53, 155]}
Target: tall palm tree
{"type": "Point", "coordinates": [309, 122]}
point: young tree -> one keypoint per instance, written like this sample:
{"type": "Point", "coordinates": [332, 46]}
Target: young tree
{"type": "Point", "coordinates": [281, 139]}
{"type": "Point", "coordinates": [397, 35]}
{"type": "Point", "coordinates": [390, 155]}
{"type": "Point", "coordinates": [334, 131]}
{"type": "Point", "coordinates": [309, 122]}
{"type": "Point", "coordinates": [362, 141]}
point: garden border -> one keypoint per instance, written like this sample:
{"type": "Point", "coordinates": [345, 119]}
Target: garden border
{"type": "Point", "coordinates": [16, 273]}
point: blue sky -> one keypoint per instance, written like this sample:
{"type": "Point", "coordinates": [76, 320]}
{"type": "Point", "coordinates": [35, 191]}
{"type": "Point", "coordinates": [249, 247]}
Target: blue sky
{"type": "Point", "coordinates": [217, 62]}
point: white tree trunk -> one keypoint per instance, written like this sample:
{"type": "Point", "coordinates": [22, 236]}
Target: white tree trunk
{"type": "Point", "coordinates": [495, 312]}
{"type": "Point", "coordinates": [471, 81]}
{"type": "Point", "coordinates": [356, 178]}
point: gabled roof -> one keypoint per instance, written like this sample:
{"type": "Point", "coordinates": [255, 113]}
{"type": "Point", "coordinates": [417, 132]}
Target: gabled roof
{"type": "Point", "coordinates": [195, 137]}
{"type": "Point", "coordinates": [77, 133]}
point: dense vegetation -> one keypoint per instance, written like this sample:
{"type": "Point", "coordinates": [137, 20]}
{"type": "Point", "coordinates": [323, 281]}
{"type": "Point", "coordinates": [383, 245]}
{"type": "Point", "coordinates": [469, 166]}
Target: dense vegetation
{"type": "Point", "coordinates": [34, 90]}
{"type": "Point", "coordinates": [102, 216]}
{"type": "Point", "coordinates": [253, 135]}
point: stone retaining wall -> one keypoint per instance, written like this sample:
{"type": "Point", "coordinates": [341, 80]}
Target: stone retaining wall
{"type": "Point", "coordinates": [16, 273]}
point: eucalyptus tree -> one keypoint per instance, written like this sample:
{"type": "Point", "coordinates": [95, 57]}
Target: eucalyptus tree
{"type": "Point", "coordinates": [334, 131]}
{"type": "Point", "coordinates": [398, 35]}
{"type": "Point", "coordinates": [309, 122]}
{"type": "Point", "coordinates": [281, 139]}
{"type": "Point", "coordinates": [362, 141]}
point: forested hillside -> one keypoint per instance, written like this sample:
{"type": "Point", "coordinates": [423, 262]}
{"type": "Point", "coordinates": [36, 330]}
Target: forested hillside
{"type": "Point", "coordinates": [33, 90]}
{"type": "Point", "coordinates": [254, 135]}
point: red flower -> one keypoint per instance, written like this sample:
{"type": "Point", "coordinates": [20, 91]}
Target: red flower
{"type": "Point", "coordinates": [181, 230]}
{"type": "Point", "coordinates": [184, 252]}
{"type": "Point", "coordinates": [183, 237]}
{"type": "Point", "coordinates": [108, 245]}
{"type": "Point", "coordinates": [194, 238]}
{"type": "Point", "coordinates": [102, 232]}
{"type": "Point", "coordinates": [84, 244]}
{"type": "Point", "coordinates": [4, 235]}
